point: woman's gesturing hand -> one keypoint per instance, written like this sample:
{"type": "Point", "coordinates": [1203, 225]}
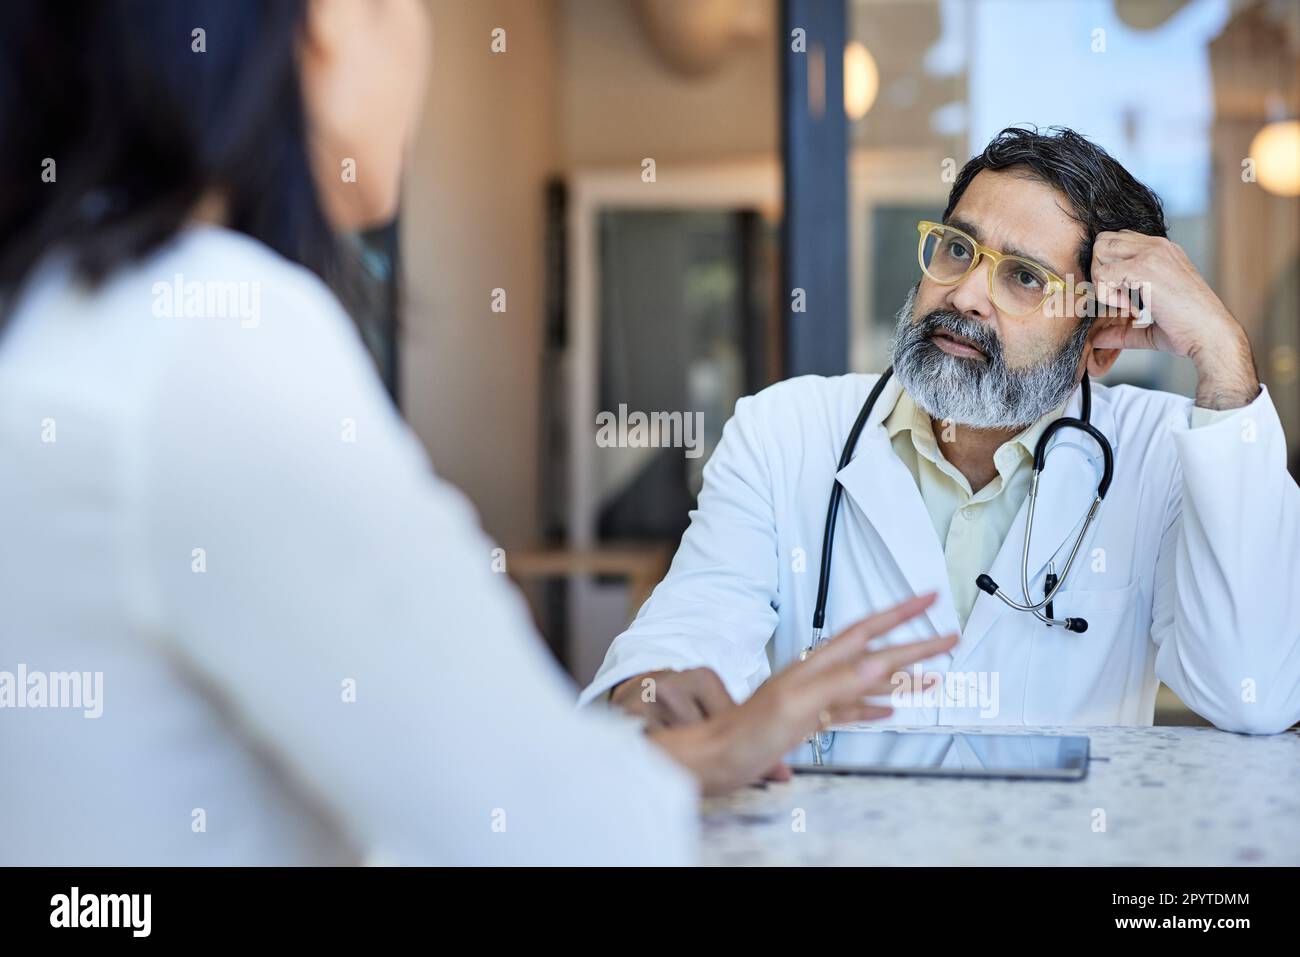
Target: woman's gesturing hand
{"type": "Point", "coordinates": [741, 744]}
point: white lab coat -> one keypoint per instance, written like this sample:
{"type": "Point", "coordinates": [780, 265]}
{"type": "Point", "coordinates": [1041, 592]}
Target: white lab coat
{"type": "Point", "coordinates": [302, 638]}
{"type": "Point", "coordinates": [1188, 575]}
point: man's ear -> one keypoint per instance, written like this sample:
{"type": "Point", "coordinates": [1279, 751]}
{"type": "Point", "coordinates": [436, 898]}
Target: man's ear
{"type": "Point", "coordinates": [326, 26]}
{"type": "Point", "coordinates": [1099, 361]}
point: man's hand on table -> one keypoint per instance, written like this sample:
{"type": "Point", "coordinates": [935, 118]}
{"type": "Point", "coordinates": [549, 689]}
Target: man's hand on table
{"type": "Point", "coordinates": [741, 743]}
{"type": "Point", "coordinates": [668, 698]}
{"type": "Point", "coordinates": [673, 699]}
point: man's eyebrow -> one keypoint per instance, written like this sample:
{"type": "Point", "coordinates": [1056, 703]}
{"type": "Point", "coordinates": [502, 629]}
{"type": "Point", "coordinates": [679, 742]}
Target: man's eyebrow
{"type": "Point", "coordinates": [977, 235]}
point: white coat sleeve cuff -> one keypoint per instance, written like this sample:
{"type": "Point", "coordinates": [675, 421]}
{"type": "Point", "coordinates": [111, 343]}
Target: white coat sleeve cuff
{"type": "Point", "coordinates": [1201, 417]}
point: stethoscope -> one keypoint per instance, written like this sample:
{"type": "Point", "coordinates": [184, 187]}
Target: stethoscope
{"type": "Point", "coordinates": [985, 583]}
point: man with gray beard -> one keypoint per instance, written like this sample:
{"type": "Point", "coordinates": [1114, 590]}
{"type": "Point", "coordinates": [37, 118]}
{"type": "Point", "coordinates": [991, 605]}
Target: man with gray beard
{"type": "Point", "coordinates": [982, 395]}
{"type": "Point", "coordinates": [1161, 531]}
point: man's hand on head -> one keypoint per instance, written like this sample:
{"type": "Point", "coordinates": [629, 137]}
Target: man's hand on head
{"type": "Point", "coordinates": [1188, 319]}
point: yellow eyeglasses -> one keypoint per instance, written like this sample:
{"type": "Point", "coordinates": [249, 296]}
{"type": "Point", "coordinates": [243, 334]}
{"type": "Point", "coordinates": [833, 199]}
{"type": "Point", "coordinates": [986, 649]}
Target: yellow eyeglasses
{"type": "Point", "coordinates": [1016, 286]}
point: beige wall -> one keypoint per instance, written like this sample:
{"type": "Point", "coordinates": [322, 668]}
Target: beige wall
{"type": "Point", "coordinates": [472, 221]}
{"type": "Point", "coordinates": [578, 85]}
{"type": "Point", "coordinates": [621, 103]}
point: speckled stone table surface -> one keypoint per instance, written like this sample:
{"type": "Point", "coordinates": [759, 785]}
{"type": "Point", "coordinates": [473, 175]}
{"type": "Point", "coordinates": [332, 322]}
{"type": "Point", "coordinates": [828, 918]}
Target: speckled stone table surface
{"type": "Point", "coordinates": [1167, 796]}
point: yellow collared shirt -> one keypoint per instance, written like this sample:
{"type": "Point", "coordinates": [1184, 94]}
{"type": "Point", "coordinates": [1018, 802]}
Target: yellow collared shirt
{"type": "Point", "coordinates": [970, 525]}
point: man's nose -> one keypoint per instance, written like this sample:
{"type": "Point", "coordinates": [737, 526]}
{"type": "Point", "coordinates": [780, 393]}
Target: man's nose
{"type": "Point", "coordinates": [970, 297]}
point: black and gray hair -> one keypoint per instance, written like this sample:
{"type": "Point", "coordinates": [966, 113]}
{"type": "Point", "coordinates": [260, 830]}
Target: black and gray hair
{"type": "Point", "coordinates": [1103, 194]}
{"type": "Point", "coordinates": [143, 129]}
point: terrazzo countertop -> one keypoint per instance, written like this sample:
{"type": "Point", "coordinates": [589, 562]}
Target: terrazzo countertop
{"type": "Point", "coordinates": [1153, 796]}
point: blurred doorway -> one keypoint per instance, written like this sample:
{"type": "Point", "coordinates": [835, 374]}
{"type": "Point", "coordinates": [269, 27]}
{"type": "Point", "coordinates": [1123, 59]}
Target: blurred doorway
{"type": "Point", "coordinates": [672, 308]}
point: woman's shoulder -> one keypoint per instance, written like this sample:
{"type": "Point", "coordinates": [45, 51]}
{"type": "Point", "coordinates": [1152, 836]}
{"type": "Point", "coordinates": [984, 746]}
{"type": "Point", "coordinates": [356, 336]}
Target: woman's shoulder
{"type": "Point", "coordinates": [210, 316]}
{"type": "Point", "coordinates": [214, 273]}
{"type": "Point", "coordinates": [226, 306]}
{"type": "Point", "coordinates": [203, 281]}
{"type": "Point", "coordinates": [236, 314]}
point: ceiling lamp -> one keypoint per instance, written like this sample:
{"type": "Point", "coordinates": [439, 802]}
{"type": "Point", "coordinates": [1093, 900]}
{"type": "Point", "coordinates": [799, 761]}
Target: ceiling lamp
{"type": "Point", "coordinates": [861, 80]}
{"type": "Point", "coordinates": [1276, 152]}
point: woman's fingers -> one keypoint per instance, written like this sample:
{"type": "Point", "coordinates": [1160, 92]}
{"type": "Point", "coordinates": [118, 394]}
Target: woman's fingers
{"type": "Point", "coordinates": [897, 682]}
{"type": "Point", "coordinates": [876, 673]}
{"type": "Point", "coordinates": [887, 661]}
{"type": "Point", "coordinates": [857, 713]}
{"type": "Point", "coordinates": [778, 772]}
{"type": "Point", "coordinates": [846, 684]}
{"type": "Point", "coordinates": [852, 641]}
{"type": "Point", "coordinates": [908, 682]}
{"type": "Point", "coordinates": [827, 689]}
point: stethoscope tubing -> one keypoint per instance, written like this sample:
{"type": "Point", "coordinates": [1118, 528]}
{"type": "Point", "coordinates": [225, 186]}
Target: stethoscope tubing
{"type": "Point", "coordinates": [986, 584]}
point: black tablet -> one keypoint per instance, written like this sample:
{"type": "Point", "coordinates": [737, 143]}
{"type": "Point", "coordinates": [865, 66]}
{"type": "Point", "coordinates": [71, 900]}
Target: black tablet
{"type": "Point", "coordinates": [944, 754]}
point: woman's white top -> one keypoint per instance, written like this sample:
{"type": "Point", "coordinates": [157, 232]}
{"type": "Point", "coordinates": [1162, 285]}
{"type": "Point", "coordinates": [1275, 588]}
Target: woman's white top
{"type": "Point", "coordinates": [242, 622]}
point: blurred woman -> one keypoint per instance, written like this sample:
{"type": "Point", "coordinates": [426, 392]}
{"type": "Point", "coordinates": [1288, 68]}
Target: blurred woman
{"type": "Point", "coordinates": [213, 517]}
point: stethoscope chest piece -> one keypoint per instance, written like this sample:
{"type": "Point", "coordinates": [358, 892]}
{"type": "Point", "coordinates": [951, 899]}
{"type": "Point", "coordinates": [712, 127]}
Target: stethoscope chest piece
{"type": "Point", "coordinates": [984, 582]}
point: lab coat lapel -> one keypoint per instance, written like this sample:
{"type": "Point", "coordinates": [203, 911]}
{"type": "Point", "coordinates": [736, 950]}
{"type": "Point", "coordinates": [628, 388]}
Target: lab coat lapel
{"type": "Point", "coordinates": [1066, 489]}
{"type": "Point", "coordinates": [880, 485]}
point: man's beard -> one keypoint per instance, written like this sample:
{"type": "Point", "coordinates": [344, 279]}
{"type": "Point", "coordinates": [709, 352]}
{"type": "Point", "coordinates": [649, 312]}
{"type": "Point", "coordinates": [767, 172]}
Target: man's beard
{"type": "Point", "coordinates": [980, 393]}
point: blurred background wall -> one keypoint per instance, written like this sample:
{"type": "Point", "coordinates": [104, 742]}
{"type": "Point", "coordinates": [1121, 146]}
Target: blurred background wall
{"type": "Point", "coordinates": [472, 222]}
{"type": "Point", "coordinates": [666, 287]}
{"type": "Point", "coordinates": [577, 85]}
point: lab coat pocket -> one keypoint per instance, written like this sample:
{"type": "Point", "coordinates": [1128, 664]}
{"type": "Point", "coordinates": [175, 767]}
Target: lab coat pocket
{"type": "Point", "coordinates": [1083, 679]}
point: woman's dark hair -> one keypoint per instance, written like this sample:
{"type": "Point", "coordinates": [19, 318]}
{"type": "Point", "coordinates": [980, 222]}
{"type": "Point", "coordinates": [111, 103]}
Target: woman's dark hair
{"type": "Point", "coordinates": [141, 124]}
{"type": "Point", "coordinates": [1103, 194]}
